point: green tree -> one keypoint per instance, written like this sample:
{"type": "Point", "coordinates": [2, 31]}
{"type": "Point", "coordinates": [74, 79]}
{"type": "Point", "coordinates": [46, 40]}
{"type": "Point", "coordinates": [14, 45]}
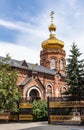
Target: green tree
{"type": "Point", "coordinates": [40, 110]}
{"type": "Point", "coordinates": [9, 91]}
{"type": "Point", "coordinates": [75, 72]}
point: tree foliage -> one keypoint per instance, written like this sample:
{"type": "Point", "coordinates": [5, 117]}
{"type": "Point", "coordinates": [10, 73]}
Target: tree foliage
{"type": "Point", "coordinates": [40, 110]}
{"type": "Point", "coordinates": [75, 72]}
{"type": "Point", "coordinates": [9, 91]}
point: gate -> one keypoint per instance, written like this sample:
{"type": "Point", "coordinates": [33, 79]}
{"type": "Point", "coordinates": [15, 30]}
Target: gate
{"type": "Point", "coordinates": [66, 110]}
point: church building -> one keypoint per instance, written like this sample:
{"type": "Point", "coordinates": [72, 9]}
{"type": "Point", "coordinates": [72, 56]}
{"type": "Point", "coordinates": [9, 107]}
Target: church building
{"type": "Point", "coordinates": [48, 78]}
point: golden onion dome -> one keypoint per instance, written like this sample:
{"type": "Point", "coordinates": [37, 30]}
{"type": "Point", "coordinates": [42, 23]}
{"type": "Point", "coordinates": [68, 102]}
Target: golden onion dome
{"type": "Point", "coordinates": [52, 43]}
{"type": "Point", "coordinates": [52, 27]}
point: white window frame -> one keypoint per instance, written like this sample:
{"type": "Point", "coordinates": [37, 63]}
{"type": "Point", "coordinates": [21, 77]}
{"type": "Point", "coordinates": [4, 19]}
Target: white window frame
{"type": "Point", "coordinates": [53, 63]}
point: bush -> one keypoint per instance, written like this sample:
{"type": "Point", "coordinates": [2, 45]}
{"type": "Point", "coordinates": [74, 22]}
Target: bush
{"type": "Point", "coordinates": [40, 110]}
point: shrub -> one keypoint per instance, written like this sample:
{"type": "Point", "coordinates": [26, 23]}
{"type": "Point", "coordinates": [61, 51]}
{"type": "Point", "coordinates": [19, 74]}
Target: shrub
{"type": "Point", "coordinates": [40, 111]}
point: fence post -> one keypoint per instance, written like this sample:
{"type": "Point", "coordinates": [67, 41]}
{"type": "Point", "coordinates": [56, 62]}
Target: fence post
{"type": "Point", "coordinates": [48, 110]}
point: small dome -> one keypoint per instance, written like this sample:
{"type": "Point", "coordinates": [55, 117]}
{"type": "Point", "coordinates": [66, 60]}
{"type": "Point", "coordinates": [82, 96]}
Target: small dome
{"type": "Point", "coordinates": [52, 27]}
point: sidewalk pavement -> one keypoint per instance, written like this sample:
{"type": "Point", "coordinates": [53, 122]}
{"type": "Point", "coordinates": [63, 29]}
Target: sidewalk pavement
{"type": "Point", "coordinates": [22, 125]}
{"type": "Point", "coordinates": [37, 125]}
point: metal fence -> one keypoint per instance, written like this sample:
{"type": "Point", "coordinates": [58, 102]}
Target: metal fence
{"type": "Point", "coordinates": [66, 110]}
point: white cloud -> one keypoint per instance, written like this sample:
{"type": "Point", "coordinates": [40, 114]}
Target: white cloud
{"type": "Point", "coordinates": [19, 52]}
{"type": "Point", "coordinates": [21, 26]}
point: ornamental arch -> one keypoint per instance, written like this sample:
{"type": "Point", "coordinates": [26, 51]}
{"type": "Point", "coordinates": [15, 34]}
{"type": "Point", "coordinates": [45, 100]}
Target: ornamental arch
{"type": "Point", "coordinates": [34, 93]}
{"type": "Point", "coordinates": [63, 89]}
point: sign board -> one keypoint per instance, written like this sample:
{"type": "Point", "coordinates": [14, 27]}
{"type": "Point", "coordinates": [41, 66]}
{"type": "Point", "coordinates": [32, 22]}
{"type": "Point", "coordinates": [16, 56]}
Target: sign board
{"type": "Point", "coordinates": [66, 104]}
{"type": "Point", "coordinates": [25, 117]}
{"type": "Point", "coordinates": [25, 105]}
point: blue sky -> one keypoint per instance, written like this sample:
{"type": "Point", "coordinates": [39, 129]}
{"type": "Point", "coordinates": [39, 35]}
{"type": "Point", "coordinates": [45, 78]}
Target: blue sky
{"type": "Point", "coordinates": [24, 25]}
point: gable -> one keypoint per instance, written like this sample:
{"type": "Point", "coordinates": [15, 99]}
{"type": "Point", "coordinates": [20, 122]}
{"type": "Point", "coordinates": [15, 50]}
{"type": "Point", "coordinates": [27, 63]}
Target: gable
{"type": "Point", "coordinates": [32, 82]}
{"type": "Point", "coordinates": [24, 63]}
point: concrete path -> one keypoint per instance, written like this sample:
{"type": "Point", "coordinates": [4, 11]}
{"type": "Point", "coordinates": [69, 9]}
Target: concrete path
{"type": "Point", "coordinates": [19, 126]}
{"type": "Point", "coordinates": [37, 126]}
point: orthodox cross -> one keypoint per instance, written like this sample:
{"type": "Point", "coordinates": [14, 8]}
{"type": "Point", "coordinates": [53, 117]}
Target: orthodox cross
{"type": "Point", "coordinates": [51, 14]}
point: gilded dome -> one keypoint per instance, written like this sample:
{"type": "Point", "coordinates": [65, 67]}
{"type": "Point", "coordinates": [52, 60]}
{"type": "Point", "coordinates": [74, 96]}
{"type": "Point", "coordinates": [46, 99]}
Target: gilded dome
{"type": "Point", "coordinates": [52, 43]}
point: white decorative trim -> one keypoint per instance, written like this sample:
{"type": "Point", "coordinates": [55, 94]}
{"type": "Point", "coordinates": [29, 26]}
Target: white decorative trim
{"type": "Point", "coordinates": [57, 92]}
{"type": "Point", "coordinates": [64, 87]}
{"type": "Point", "coordinates": [35, 89]}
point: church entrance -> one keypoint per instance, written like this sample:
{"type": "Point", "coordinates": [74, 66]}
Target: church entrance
{"type": "Point", "coordinates": [34, 94]}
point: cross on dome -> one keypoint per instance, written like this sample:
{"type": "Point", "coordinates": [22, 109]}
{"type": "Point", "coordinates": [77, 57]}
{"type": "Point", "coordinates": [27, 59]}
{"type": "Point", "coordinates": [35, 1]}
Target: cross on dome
{"type": "Point", "coordinates": [52, 27]}
{"type": "Point", "coordinates": [51, 14]}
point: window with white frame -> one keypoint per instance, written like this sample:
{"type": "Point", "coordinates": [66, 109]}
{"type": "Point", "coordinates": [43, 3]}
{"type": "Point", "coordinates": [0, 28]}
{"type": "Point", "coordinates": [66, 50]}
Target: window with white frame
{"type": "Point", "coordinates": [49, 91]}
{"type": "Point", "coordinates": [53, 63]}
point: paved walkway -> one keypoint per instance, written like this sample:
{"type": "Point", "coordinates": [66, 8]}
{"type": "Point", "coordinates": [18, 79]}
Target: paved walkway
{"type": "Point", "coordinates": [19, 126]}
{"type": "Point", "coordinates": [37, 126]}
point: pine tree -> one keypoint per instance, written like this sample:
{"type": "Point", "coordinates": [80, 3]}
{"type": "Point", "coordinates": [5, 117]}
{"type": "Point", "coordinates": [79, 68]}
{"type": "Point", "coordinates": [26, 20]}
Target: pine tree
{"type": "Point", "coordinates": [75, 72]}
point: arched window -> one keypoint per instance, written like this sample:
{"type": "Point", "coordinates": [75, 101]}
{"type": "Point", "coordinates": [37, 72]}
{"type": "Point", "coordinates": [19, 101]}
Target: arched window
{"type": "Point", "coordinates": [49, 91]}
{"type": "Point", "coordinates": [63, 89]}
{"type": "Point", "coordinates": [53, 63]}
{"type": "Point", "coordinates": [61, 64]}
